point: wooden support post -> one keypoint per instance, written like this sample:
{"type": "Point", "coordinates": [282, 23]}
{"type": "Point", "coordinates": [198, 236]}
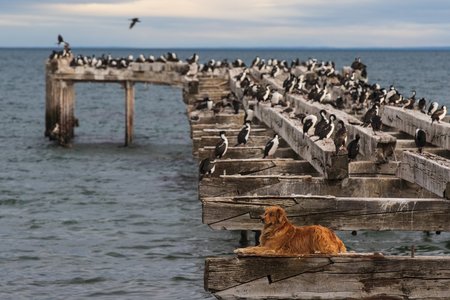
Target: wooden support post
{"type": "Point", "coordinates": [66, 115]}
{"type": "Point", "coordinates": [51, 100]}
{"type": "Point", "coordinates": [320, 154]}
{"type": "Point", "coordinates": [338, 213]}
{"type": "Point", "coordinates": [409, 120]}
{"type": "Point", "coordinates": [346, 276]}
{"type": "Point", "coordinates": [129, 112]}
{"type": "Point", "coordinates": [429, 171]}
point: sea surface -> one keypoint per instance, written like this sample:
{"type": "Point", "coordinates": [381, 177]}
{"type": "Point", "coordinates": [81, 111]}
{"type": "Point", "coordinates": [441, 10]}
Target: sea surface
{"type": "Point", "coordinates": [103, 221]}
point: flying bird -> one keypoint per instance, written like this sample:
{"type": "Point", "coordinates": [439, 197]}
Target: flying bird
{"type": "Point", "coordinates": [133, 22]}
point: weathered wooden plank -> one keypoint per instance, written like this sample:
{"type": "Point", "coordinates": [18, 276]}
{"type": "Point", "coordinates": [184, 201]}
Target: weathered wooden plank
{"type": "Point", "coordinates": [368, 187]}
{"type": "Point", "coordinates": [378, 146]}
{"type": "Point", "coordinates": [320, 154]}
{"type": "Point", "coordinates": [247, 152]}
{"type": "Point", "coordinates": [339, 213]}
{"type": "Point", "coordinates": [206, 141]}
{"type": "Point", "coordinates": [409, 120]}
{"type": "Point", "coordinates": [429, 171]}
{"type": "Point", "coordinates": [371, 168]}
{"type": "Point", "coordinates": [350, 276]}
{"type": "Point", "coordinates": [233, 132]}
{"type": "Point", "coordinates": [257, 166]}
{"type": "Point", "coordinates": [208, 117]}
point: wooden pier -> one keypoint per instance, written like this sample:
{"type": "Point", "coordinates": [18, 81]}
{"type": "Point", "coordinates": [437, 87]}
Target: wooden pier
{"type": "Point", "coordinates": [390, 186]}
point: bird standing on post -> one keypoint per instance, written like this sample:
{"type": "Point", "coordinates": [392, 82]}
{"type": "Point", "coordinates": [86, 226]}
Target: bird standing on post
{"type": "Point", "coordinates": [207, 166]}
{"type": "Point", "coordinates": [420, 138]}
{"type": "Point", "coordinates": [271, 146]}
{"type": "Point", "coordinates": [340, 138]}
{"type": "Point", "coordinates": [133, 22]}
{"type": "Point", "coordinates": [221, 146]}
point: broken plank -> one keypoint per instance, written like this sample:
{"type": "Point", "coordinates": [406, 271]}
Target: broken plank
{"type": "Point", "coordinates": [429, 171]}
{"type": "Point", "coordinates": [409, 120]}
{"type": "Point", "coordinates": [320, 154]}
{"type": "Point", "coordinates": [338, 213]}
{"type": "Point", "coordinates": [345, 276]}
{"type": "Point", "coordinates": [235, 185]}
{"type": "Point", "coordinates": [232, 131]}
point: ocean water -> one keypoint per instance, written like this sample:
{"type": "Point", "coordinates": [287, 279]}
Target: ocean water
{"type": "Point", "coordinates": [104, 221]}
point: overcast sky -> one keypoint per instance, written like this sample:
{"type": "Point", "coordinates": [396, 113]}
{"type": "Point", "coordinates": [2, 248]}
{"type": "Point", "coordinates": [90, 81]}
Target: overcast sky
{"type": "Point", "coordinates": [226, 23]}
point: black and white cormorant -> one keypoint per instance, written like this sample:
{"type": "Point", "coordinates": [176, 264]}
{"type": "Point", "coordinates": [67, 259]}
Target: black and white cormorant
{"type": "Point", "coordinates": [376, 123]}
{"type": "Point", "coordinates": [420, 137]}
{"type": "Point", "coordinates": [439, 114]}
{"type": "Point", "coordinates": [421, 105]}
{"type": "Point", "coordinates": [322, 122]}
{"type": "Point", "coordinates": [221, 146]}
{"type": "Point", "coordinates": [206, 103]}
{"type": "Point", "coordinates": [271, 146]}
{"type": "Point", "coordinates": [206, 167]}
{"type": "Point", "coordinates": [309, 122]}
{"type": "Point", "coordinates": [340, 138]}
{"type": "Point", "coordinates": [327, 129]}
{"type": "Point", "coordinates": [243, 135]}
{"type": "Point", "coordinates": [433, 107]}
{"type": "Point", "coordinates": [353, 148]}
{"type": "Point", "coordinates": [367, 119]}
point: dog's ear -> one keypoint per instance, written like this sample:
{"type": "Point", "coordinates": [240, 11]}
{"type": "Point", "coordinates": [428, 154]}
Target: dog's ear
{"type": "Point", "coordinates": [280, 215]}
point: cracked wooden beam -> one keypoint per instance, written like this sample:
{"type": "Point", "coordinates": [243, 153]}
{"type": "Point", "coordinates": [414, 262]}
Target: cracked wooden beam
{"type": "Point", "coordinates": [408, 121]}
{"type": "Point", "coordinates": [339, 213]}
{"type": "Point", "coordinates": [346, 276]}
{"type": "Point", "coordinates": [427, 170]}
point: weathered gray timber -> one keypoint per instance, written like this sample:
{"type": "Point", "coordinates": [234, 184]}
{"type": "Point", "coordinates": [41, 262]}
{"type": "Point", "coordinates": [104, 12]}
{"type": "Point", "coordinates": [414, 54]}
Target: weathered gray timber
{"type": "Point", "coordinates": [409, 120]}
{"type": "Point", "coordinates": [213, 86]}
{"type": "Point", "coordinates": [258, 166]}
{"type": "Point", "coordinates": [262, 185]}
{"type": "Point", "coordinates": [320, 154]}
{"type": "Point", "coordinates": [377, 146]}
{"type": "Point", "coordinates": [339, 213]}
{"type": "Point", "coordinates": [208, 117]}
{"type": "Point", "coordinates": [429, 171]}
{"type": "Point", "coordinates": [247, 152]}
{"type": "Point", "coordinates": [233, 132]}
{"type": "Point", "coordinates": [349, 276]}
{"type": "Point", "coordinates": [361, 168]}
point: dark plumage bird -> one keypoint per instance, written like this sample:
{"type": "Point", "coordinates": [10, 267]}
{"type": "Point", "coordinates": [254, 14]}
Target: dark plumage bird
{"type": "Point", "coordinates": [322, 122]}
{"type": "Point", "coordinates": [327, 129]}
{"type": "Point", "coordinates": [206, 167]}
{"type": "Point", "coordinates": [421, 105]}
{"type": "Point", "coordinates": [61, 40]}
{"type": "Point", "coordinates": [243, 135]}
{"type": "Point", "coordinates": [367, 119]}
{"type": "Point", "coordinates": [353, 148]}
{"type": "Point", "coordinates": [439, 114]}
{"type": "Point", "coordinates": [133, 22]}
{"type": "Point", "coordinates": [420, 138]}
{"type": "Point", "coordinates": [221, 146]}
{"type": "Point", "coordinates": [271, 146]}
{"type": "Point", "coordinates": [340, 138]}
{"type": "Point", "coordinates": [206, 103]}
{"type": "Point", "coordinates": [376, 123]}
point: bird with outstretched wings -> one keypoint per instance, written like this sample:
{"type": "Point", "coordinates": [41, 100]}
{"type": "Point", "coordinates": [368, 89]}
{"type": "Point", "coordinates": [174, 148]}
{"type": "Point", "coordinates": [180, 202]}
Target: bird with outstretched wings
{"type": "Point", "coordinates": [133, 22]}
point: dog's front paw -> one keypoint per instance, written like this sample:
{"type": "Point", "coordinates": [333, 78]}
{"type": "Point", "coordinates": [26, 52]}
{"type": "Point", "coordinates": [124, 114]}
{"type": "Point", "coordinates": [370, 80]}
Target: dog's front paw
{"type": "Point", "coordinates": [239, 251]}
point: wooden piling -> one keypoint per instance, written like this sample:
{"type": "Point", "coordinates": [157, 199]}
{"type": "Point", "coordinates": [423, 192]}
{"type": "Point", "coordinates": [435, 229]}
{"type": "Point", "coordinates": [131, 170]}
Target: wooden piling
{"type": "Point", "coordinates": [129, 112]}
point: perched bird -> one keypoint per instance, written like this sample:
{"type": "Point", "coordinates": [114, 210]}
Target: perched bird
{"type": "Point", "coordinates": [308, 123]}
{"type": "Point", "coordinates": [433, 107]}
{"type": "Point", "coordinates": [61, 41]}
{"type": "Point", "coordinates": [327, 130]}
{"type": "Point", "coordinates": [206, 167]}
{"type": "Point", "coordinates": [353, 148]}
{"type": "Point", "coordinates": [367, 119]}
{"type": "Point", "coordinates": [271, 146]}
{"type": "Point", "coordinates": [133, 22]}
{"type": "Point", "coordinates": [322, 122]}
{"type": "Point", "coordinates": [221, 146]}
{"type": "Point", "coordinates": [376, 123]}
{"type": "Point", "coordinates": [439, 114]}
{"type": "Point", "coordinates": [206, 103]}
{"type": "Point", "coordinates": [340, 138]}
{"type": "Point", "coordinates": [421, 105]}
{"type": "Point", "coordinates": [420, 138]}
{"type": "Point", "coordinates": [243, 135]}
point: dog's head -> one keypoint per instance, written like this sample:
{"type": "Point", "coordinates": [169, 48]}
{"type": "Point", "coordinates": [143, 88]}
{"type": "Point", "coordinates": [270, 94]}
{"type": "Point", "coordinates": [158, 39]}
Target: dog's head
{"type": "Point", "coordinates": [274, 215]}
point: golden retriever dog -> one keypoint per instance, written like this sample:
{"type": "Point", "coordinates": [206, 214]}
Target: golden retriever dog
{"type": "Point", "coordinates": [281, 237]}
